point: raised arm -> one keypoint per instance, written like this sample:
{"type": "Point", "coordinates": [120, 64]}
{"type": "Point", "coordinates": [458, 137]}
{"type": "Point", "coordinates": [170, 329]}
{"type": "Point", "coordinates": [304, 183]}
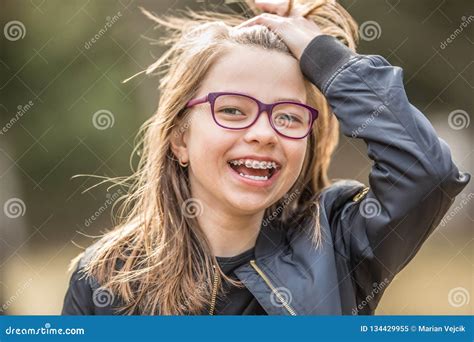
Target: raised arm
{"type": "Point", "coordinates": [413, 180]}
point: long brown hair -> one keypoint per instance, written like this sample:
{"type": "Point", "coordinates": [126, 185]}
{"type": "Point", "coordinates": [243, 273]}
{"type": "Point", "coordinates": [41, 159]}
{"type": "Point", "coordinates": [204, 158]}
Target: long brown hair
{"type": "Point", "coordinates": [157, 260]}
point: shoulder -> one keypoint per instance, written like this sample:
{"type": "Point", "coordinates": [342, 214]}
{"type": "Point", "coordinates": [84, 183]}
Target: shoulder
{"type": "Point", "coordinates": [341, 192]}
{"type": "Point", "coordinates": [84, 291]}
{"type": "Point", "coordinates": [328, 202]}
{"type": "Point", "coordinates": [325, 205]}
{"type": "Point", "coordinates": [88, 255]}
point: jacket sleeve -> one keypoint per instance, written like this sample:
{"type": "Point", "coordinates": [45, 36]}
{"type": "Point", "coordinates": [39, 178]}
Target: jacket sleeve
{"type": "Point", "coordinates": [413, 180]}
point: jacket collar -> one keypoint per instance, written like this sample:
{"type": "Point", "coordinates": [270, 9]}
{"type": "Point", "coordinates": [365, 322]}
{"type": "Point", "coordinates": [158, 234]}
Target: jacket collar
{"type": "Point", "coordinates": [304, 275]}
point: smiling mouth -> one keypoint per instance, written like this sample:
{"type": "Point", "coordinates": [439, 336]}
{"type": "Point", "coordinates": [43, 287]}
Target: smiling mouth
{"type": "Point", "coordinates": [254, 169]}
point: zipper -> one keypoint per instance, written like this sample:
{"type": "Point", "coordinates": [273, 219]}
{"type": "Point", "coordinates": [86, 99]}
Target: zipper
{"type": "Point", "coordinates": [361, 194]}
{"type": "Point", "coordinates": [214, 291]}
{"type": "Point", "coordinates": [274, 290]}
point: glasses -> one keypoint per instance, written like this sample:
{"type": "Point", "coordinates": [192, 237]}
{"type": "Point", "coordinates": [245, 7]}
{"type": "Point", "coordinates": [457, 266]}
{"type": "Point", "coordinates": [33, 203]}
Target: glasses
{"type": "Point", "coordinates": [236, 111]}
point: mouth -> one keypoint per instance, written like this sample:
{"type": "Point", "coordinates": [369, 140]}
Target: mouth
{"type": "Point", "coordinates": [255, 169]}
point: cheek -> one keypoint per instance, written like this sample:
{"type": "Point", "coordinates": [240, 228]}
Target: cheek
{"type": "Point", "coordinates": [207, 145]}
{"type": "Point", "coordinates": [295, 154]}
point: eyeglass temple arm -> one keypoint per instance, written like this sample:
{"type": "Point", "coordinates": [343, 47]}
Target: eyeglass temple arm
{"type": "Point", "coordinates": [196, 101]}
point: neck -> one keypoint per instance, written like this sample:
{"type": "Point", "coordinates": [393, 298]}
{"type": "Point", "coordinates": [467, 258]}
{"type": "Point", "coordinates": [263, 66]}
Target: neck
{"type": "Point", "coordinates": [230, 234]}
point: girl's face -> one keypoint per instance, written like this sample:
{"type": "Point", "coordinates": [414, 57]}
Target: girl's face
{"type": "Point", "coordinates": [268, 76]}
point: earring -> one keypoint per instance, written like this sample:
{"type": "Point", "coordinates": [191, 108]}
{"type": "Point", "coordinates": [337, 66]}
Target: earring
{"type": "Point", "coordinates": [183, 164]}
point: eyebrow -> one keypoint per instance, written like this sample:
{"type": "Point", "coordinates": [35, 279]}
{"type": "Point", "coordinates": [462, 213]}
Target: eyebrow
{"type": "Point", "coordinates": [288, 99]}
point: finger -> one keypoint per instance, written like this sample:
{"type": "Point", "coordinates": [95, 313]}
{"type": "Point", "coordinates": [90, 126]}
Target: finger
{"type": "Point", "coordinates": [266, 19]}
{"type": "Point", "coordinates": [278, 7]}
{"type": "Point", "coordinates": [245, 23]}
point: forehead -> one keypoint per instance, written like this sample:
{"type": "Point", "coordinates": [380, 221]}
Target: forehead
{"type": "Point", "coordinates": [264, 74]}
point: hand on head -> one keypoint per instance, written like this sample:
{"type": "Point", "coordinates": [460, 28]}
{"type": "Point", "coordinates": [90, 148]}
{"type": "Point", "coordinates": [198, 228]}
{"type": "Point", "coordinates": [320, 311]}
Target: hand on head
{"type": "Point", "coordinates": [295, 30]}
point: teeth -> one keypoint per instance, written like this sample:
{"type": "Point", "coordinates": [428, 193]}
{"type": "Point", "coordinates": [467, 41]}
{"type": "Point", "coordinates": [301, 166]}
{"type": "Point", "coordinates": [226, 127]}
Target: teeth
{"type": "Point", "coordinates": [254, 164]}
{"type": "Point", "coordinates": [260, 178]}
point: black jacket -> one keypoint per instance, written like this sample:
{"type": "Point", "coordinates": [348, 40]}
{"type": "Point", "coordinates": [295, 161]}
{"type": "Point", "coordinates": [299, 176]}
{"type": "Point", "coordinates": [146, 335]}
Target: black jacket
{"type": "Point", "coordinates": [369, 233]}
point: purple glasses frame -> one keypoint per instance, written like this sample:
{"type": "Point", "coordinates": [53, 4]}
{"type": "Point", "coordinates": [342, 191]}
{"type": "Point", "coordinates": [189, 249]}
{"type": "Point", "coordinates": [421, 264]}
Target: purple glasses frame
{"type": "Point", "coordinates": [262, 107]}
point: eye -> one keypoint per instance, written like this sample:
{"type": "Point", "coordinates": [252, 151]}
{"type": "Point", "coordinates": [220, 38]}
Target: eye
{"type": "Point", "coordinates": [288, 117]}
{"type": "Point", "coordinates": [231, 111]}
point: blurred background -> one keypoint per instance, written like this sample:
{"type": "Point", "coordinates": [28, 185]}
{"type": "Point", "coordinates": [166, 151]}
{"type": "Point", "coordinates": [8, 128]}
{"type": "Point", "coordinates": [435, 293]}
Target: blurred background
{"type": "Point", "coordinates": [64, 111]}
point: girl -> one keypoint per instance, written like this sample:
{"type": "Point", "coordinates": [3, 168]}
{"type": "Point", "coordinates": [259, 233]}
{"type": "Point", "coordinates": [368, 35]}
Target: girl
{"type": "Point", "coordinates": [231, 210]}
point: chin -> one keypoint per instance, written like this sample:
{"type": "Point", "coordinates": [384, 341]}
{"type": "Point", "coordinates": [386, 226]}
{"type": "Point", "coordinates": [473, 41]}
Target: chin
{"type": "Point", "coordinates": [248, 204]}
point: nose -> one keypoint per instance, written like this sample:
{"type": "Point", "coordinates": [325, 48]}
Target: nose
{"type": "Point", "coordinates": [261, 130]}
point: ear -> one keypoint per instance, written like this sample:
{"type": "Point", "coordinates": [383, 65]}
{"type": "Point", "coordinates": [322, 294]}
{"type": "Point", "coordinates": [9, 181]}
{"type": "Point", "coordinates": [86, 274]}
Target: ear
{"type": "Point", "coordinates": [178, 143]}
